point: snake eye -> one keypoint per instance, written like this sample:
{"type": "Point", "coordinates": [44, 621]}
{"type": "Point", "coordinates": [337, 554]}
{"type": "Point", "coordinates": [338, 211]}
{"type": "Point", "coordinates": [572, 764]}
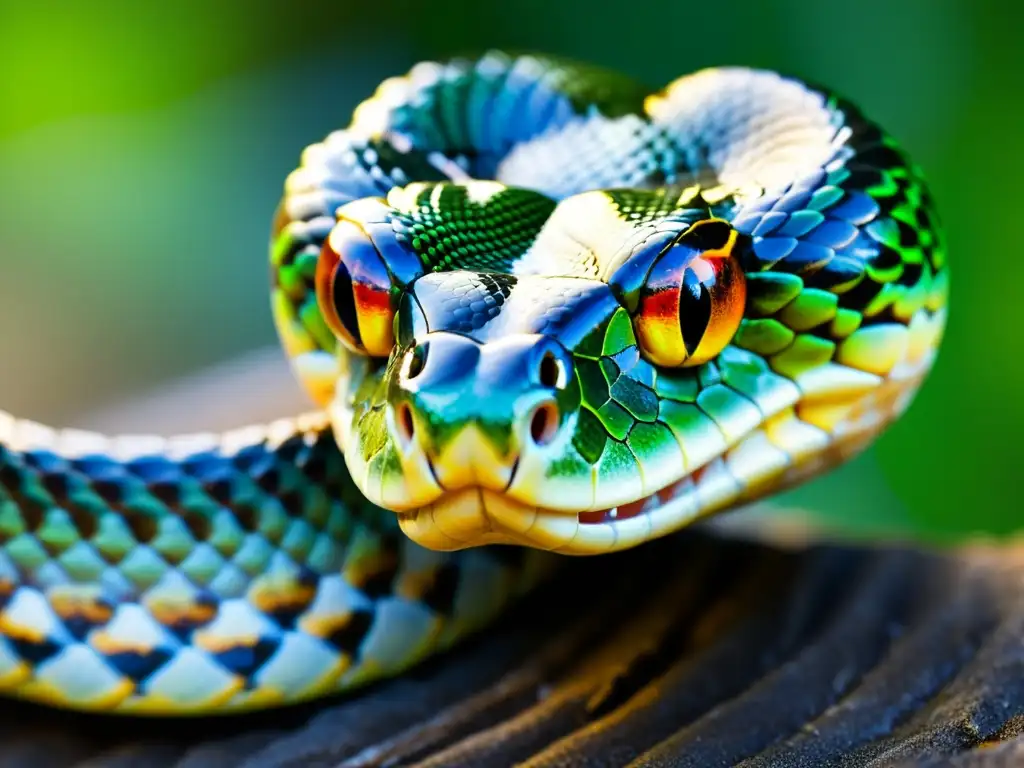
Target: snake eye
{"type": "Point", "coordinates": [693, 298]}
{"type": "Point", "coordinates": [353, 289]}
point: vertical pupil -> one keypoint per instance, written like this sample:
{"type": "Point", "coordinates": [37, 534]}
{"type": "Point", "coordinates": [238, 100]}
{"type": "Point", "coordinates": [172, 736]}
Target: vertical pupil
{"type": "Point", "coordinates": [694, 311]}
{"type": "Point", "coordinates": [345, 302]}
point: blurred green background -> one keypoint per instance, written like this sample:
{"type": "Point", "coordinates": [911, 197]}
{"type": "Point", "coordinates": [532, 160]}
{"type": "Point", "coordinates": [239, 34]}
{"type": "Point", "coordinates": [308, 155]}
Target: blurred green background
{"type": "Point", "coordinates": [143, 147]}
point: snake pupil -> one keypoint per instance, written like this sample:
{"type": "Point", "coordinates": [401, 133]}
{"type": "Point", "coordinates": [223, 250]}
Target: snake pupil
{"type": "Point", "coordinates": [344, 302]}
{"type": "Point", "coordinates": [694, 311]}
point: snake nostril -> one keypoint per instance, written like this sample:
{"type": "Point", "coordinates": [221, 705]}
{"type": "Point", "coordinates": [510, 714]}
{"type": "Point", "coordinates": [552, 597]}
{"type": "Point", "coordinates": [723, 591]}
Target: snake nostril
{"type": "Point", "coordinates": [544, 423]}
{"type": "Point", "coordinates": [405, 424]}
{"type": "Point", "coordinates": [552, 371]}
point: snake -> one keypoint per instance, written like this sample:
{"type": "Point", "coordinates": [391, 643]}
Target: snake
{"type": "Point", "coordinates": [541, 310]}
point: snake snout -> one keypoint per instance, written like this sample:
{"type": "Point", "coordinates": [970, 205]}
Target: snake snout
{"type": "Point", "coordinates": [471, 410]}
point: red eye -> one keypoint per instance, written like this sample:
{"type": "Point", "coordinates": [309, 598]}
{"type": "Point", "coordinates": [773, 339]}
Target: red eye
{"type": "Point", "coordinates": [353, 289]}
{"type": "Point", "coordinates": [693, 299]}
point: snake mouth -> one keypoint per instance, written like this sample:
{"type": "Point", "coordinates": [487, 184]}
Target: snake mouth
{"type": "Point", "coordinates": [471, 517]}
{"type": "Point", "coordinates": [474, 517]}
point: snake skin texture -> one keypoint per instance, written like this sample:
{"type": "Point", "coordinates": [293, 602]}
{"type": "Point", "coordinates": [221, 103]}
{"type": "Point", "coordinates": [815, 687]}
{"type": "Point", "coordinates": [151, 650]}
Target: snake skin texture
{"type": "Point", "coordinates": [502, 210]}
{"type": "Point", "coordinates": [215, 572]}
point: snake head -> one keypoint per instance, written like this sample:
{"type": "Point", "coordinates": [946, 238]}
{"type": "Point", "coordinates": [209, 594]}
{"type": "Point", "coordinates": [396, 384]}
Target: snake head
{"type": "Point", "coordinates": [537, 401]}
{"type": "Point", "coordinates": [753, 288]}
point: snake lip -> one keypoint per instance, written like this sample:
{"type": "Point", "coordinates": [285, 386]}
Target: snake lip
{"type": "Point", "coordinates": [472, 517]}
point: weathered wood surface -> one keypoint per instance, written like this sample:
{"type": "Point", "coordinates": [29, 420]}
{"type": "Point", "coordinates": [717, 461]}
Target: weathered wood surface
{"type": "Point", "coordinates": [696, 651]}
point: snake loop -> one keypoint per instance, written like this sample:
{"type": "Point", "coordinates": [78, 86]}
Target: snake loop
{"type": "Point", "coordinates": [535, 304]}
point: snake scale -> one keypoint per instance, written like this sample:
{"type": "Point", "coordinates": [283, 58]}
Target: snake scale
{"type": "Point", "coordinates": [536, 304]}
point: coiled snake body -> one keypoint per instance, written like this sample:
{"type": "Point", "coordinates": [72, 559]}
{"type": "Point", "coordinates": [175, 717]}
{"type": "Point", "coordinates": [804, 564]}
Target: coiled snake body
{"type": "Point", "coordinates": [536, 305]}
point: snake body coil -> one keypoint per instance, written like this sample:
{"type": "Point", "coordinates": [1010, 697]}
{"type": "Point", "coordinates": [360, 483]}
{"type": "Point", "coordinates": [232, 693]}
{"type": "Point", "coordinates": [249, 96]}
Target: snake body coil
{"type": "Point", "coordinates": [537, 305]}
